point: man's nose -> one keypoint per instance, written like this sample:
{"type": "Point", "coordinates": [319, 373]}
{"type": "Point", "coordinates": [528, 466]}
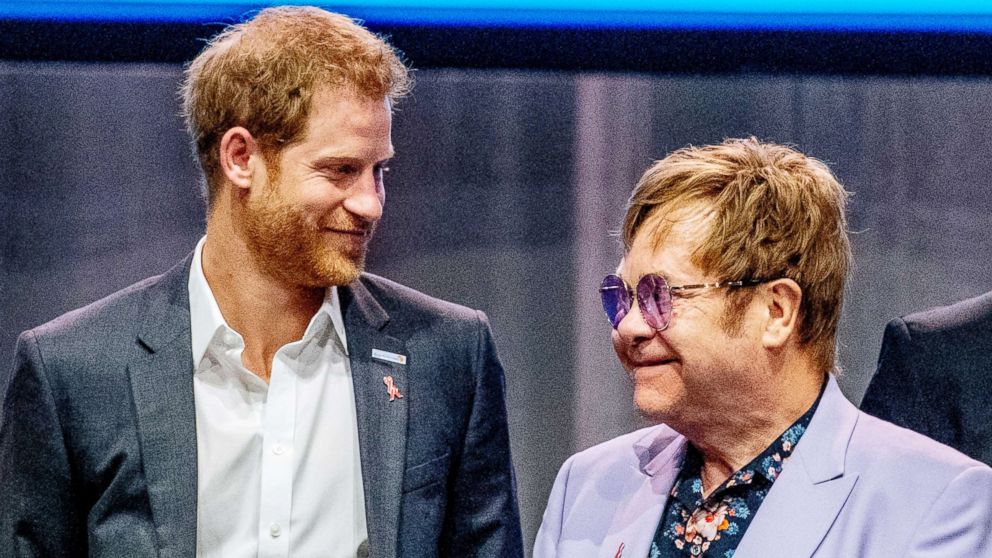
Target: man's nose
{"type": "Point", "coordinates": [366, 196]}
{"type": "Point", "coordinates": [632, 327]}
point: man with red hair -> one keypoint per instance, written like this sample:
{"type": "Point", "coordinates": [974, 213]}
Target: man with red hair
{"type": "Point", "coordinates": [265, 397]}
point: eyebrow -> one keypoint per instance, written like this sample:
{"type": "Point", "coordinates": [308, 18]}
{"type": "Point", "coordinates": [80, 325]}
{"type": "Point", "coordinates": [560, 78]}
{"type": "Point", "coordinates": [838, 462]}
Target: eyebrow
{"type": "Point", "coordinates": [331, 161]}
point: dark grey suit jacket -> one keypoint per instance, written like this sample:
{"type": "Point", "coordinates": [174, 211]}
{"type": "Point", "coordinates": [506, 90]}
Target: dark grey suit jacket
{"type": "Point", "coordinates": [935, 376]}
{"type": "Point", "coordinates": [98, 448]}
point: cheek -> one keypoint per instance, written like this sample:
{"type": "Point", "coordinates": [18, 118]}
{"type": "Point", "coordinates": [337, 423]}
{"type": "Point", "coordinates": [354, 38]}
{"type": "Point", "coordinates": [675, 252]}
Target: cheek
{"type": "Point", "coordinates": [315, 193]}
{"type": "Point", "coordinates": [615, 338]}
{"type": "Point", "coordinates": [620, 348]}
{"type": "Point", "coordinates": [323, 210]}
{"type": "Point", "coordinates": [326, 198]}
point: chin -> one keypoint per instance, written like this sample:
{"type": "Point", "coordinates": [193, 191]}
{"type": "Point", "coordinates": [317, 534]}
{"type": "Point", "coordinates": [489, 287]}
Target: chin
{"type": "Point", "coordinates": [336, 271]}
{"type": "Point", "coordinates": [653, 406]}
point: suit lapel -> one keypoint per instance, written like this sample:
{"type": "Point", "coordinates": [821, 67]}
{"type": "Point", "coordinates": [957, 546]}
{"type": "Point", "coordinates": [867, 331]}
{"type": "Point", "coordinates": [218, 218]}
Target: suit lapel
{"type": "Point", "coordinates": [162, 386]}
{"type": "Point", "coordinates": [635, 522]}
{"type": "Point", "coordinates": [812, 489]}
{"type": "Point", "coordinates": [382, 424]}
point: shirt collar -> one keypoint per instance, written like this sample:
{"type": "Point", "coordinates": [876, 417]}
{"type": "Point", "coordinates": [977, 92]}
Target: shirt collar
{"type": "Point", "coordinates": [206, 319]}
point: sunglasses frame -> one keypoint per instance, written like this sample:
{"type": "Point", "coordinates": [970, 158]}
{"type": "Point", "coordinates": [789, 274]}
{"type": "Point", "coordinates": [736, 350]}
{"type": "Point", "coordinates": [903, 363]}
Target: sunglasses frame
{"type": "Point", "coordinates": [632, 294]}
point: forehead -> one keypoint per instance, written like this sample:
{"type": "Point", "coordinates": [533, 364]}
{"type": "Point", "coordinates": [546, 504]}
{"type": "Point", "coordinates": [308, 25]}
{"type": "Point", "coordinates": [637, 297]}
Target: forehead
{"type": "Point", "coordinates": [666, 244]}
{"type": "Point", "coordinates": [343, 123]}
{"type": "Point", "coordinates": [343, 104]}
{"type": "Point", "coordinates": [343, 109]}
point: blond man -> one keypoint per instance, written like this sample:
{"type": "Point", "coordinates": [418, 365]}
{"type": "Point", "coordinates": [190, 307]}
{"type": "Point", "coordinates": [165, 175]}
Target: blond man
{"type": "Point", "coordinates": [724, 312]}
{"type": "Point", "coordinates": [265, 397]}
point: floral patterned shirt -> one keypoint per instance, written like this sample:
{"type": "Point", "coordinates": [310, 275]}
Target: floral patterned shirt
{"type": "Point", "coordinates": [714, 526]}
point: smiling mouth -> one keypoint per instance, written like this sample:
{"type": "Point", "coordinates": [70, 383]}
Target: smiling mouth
{"type": "Point", "coordinates": [351, 232]}
{"type": "Point", "coordinates": [652, 363]}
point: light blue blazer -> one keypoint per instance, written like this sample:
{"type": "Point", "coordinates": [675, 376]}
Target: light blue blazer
{"type": "Point", "coordinates": [855, 487]}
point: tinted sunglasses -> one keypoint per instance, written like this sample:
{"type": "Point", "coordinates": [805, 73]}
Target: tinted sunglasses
{"type": "Point", "coordinates": [654, 297]}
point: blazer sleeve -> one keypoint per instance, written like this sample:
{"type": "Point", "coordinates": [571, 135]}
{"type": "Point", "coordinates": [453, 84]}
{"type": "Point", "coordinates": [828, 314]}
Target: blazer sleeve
{"type": "Point", "coordinates": [959, 524]}
{"type": "Point", "coordinates": [483, 519]}
{"type": "Point", "coordinates": [38, 514]}
{"type": "Point", "coordinates": [546, 544]}
{"type": "Point", "coordinates": [898, 394]}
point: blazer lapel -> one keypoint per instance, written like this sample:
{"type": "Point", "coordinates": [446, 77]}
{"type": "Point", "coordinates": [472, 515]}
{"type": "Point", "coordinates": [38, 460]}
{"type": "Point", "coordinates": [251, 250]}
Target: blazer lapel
{"type": "Point", "coordinates": [162, 386]}
{"type": "Point", "coordinates": [636, 521]}
{"type": "Point", "coordinates": [382, 419]}
{"type": "Point", "coordinates": [812, 489]}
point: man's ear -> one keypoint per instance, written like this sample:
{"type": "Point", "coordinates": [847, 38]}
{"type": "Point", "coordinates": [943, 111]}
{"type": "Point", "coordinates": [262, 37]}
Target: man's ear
{"type": "Point", "coordinates": [783, 298]}
{"type": "Point", "coordinates": [236, 150]}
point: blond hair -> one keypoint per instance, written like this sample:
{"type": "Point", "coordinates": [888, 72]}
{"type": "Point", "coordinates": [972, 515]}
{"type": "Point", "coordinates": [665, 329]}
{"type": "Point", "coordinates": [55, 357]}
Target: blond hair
{"type": "Point", "coordinates": [262, 74]}
{"type": "Point", "coordinates": [774, 213]}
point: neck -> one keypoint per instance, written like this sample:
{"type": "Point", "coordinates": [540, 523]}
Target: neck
{"type": "Point", "coordinates": [266, 312]}
{"type": "Point", "coordinates": [734, 439]}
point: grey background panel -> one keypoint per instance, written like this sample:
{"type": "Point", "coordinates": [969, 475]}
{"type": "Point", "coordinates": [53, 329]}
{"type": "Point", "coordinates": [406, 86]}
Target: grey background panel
{"type": "Point", "coordinates": [503, 194]}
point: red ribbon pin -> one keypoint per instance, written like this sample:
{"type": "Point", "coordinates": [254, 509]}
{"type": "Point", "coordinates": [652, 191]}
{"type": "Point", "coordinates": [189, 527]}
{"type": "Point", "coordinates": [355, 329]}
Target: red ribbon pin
{"type": "Point", "coordinates": [391, 389]}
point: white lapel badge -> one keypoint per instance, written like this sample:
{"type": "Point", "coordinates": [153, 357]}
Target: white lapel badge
{"type": "Point", "coordinates": [387, 356]}
{"type": "Point", "coordinates": [391, 389]}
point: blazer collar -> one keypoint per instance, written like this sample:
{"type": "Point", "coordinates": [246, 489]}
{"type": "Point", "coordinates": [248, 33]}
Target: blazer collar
{"type": "Point", "coordinates": [360, 308]}
{"type": "Point", "coordinates": [659, 454]}
{"type": "Point", "coordinates": [167, 314]}
{"type": "Point", "coordinates": [813, 487]}
{"type": "Point", "coordinates": [161, 375]}
{"type": "Point", "coordinates": [824, 445]}
{"type": "Point", "coordinates": [382, 421]}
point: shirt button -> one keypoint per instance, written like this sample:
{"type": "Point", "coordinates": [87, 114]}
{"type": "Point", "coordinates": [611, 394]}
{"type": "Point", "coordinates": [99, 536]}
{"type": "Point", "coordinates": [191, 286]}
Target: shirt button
{"type": "Point", "coordinates": [275, 530]}
{"type": "Point", "coordinates": [278, 449]}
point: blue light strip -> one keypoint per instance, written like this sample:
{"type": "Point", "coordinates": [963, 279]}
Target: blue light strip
{"type": "Point", "coordinates": [877, 15]}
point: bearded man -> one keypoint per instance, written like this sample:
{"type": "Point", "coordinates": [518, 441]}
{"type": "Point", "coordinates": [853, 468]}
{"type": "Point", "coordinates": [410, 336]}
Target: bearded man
{"type": "Point", "coordinates": [265, 397]}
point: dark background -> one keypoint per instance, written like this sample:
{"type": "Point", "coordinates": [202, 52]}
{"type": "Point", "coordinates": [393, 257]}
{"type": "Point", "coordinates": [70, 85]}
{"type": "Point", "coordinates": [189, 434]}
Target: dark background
{"type": "Point", "coordinates": [515, 155]}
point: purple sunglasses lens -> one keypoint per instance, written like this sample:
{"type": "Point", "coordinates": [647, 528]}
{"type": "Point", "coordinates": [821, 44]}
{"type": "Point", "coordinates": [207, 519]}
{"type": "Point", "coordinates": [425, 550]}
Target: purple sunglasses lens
{"type": "Point", "coordinates": [655, 301]}
{"type": "Point", "coordinates": [616, 299]}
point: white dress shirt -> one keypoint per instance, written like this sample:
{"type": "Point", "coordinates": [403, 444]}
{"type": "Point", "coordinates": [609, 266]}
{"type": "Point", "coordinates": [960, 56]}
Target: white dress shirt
{"type": "Point", "coordinates": [279, 468]}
